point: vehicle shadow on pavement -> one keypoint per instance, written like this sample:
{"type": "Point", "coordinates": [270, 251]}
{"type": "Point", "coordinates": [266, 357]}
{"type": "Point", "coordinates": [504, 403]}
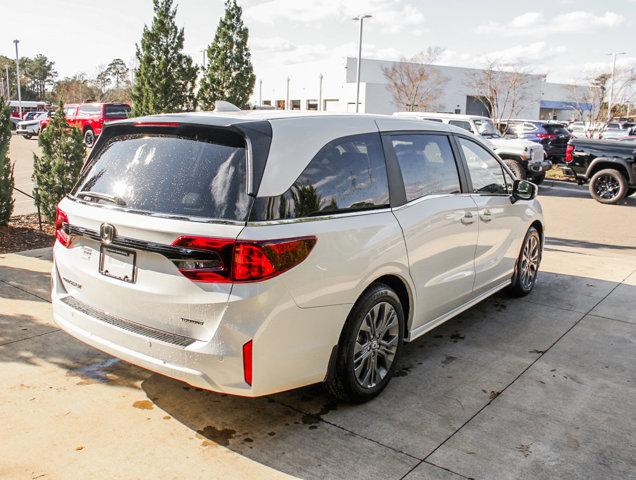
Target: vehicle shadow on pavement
{"type": "Point", "coordinates": [581, 193]}
{"type": "Point", "coordinates": [442, 381]}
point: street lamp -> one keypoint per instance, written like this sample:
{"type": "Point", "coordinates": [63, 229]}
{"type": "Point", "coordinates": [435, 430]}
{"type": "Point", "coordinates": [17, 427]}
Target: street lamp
{"type": "Point", "coordinates": [320, 93]}
{"type": "Point", "coordinates": [360, 19]}
{"type": "Point", "coordinates": [260, 93]}
{"type": "Point", "coordinates": [611, 94]}
{"type": "Point", "coordinates": [17, 70]}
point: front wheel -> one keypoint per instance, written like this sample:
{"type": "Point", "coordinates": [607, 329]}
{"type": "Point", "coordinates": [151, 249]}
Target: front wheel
{"type": "Point", "coordinates": [369, 346]}
{"type": "Point", "coordinates": [527, 266]}
{"type": "Point", "coordinates": [608, 186]}
{"type": "Point", "coordinates": [89, 137]}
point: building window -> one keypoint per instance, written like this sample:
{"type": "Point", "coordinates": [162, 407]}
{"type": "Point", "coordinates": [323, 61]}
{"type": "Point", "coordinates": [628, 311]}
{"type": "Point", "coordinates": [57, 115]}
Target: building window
{"type": "Point", "coordinates": [267, 102]}
{"type": "Point", "coordinates": [295, 104]}
{"type": "Point", "coordinates": [312, 104]}
{"type": "Point", "coordinates": [280, 104]}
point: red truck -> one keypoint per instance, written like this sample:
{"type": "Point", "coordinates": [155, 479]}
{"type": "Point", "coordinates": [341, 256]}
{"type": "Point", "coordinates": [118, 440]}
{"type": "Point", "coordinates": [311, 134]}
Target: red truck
{"type": "Point", "coordinates": [90, 117]}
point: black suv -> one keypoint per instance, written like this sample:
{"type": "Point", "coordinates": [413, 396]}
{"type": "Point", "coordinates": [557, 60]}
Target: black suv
{"type": "Point", "coordinates": [553, 136]}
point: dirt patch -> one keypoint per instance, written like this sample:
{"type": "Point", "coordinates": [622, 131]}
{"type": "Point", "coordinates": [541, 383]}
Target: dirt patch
{"type": "Point", "coordinates": [23, 233]}
{"type": "Point", "coordinates": [220, 436]}
{"type": "Point", "coordinates": [143, 405]}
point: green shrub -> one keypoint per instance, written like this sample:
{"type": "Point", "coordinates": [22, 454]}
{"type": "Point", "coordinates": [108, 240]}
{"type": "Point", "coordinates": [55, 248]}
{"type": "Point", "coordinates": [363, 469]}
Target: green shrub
{"type": "Point", "coordinates": [58, 169]}
{"type": "Point", "coordinates": [6, 169]}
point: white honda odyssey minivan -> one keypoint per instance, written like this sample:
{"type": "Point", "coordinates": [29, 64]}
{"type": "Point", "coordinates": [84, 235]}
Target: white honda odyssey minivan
{"type": "Point", "coordinates": [255, 252]}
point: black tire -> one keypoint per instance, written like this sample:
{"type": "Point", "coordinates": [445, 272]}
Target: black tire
{"type": "Point", "coordinates": [89, 137]}
{"type": "Point", "coordinates": [608, 186]}
{"type": "Point", "coordinates": [516, 168]}
{"type": "Point", "coordinates": [520, 285]}
{"type": "Point", "coordinates": [538, 179]}
{"type": "Point", "coordinates": [28, 136]}
{"type": "Point", "coordinates": [342, 381]}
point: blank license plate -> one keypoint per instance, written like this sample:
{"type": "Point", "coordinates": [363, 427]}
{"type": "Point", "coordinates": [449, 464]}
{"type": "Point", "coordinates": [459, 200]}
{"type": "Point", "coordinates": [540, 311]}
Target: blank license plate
{"type": "Point", "coordinates": [117, 263]}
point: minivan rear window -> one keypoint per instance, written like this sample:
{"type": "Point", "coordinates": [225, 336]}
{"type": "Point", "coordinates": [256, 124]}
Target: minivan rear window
{"type": "Point", "coordinates": [170, 175]}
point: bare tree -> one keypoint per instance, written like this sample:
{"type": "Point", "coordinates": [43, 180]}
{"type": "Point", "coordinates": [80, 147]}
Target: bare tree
{"type": "Point", "coordinates": [503, 88]}
{"type": "Point", "coordinates": [590, 100]}
{"type": "Point", "coordinates": [413, 83]}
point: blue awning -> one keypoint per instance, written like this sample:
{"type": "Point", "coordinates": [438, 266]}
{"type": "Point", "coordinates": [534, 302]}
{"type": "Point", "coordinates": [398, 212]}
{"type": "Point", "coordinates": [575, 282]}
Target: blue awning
{"type": "Point", "coordinates": [556, 105]}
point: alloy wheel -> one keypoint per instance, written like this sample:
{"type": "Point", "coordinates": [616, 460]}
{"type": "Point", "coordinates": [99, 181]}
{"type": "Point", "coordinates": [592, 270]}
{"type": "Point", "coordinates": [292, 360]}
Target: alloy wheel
{"type": "Point", "coordinates": [376, 345]}
{"type": "Point", "coordinates": [607, 187]}
{"type": "Point", "coordinates": [529, 262]}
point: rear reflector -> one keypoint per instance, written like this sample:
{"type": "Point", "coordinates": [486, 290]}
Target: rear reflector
{"type": "Point", "coordinates": [60, 220]}
{"type": "Point", "coordinates": [247, 362]}
{"type": "Point", "coordinates": [218, 260]}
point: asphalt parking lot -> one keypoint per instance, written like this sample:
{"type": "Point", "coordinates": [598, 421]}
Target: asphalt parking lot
{"type": "Point", "coordinates": [536, 388]}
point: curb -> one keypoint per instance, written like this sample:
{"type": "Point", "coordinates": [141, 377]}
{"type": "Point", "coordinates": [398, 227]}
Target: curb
{"type": "Point", "coordinates": [562, 184]}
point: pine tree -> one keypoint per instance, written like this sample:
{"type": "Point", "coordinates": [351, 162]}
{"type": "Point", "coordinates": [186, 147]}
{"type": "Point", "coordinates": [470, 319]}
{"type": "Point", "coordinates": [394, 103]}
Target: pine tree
{"type": "Point", "coordinates": [229, 75]}
{"type": "Point", "coordinates": [165, 77]}
{"type": "Point", "coordinates": [59, 167]}
{"type": "Point", "coordinates": [6, 170]}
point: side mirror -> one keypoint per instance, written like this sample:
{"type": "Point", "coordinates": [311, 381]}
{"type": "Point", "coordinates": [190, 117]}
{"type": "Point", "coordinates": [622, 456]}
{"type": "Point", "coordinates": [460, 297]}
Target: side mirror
{"type": "Point", "coordinates": [523, 190]}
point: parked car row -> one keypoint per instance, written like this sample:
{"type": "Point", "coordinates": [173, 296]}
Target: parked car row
{"type": "Point", "coordinates": [88, 117]}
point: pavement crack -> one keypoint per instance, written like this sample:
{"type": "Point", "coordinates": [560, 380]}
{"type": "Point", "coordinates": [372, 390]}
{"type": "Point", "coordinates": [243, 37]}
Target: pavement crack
{"type": "Point", "coordinates": [29, 338]}
{"type": "Point", "coordinates": [25, 291]}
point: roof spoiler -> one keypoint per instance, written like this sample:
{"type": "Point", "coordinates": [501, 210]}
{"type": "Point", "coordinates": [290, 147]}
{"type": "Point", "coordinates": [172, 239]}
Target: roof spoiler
{"type": "Point", "coordinates": [223, 106]}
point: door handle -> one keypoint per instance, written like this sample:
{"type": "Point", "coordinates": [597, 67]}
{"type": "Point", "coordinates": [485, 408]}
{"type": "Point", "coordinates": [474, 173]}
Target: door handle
{"type": "Point", "coordinates": [467, 219]}
{"type": "Point", "coordinates": [486, 216]}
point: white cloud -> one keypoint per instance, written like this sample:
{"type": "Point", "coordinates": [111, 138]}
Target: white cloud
{"type": "Point", "coordinates": [536, 23]}
{"type": "Point", "coordinates": [390, 15]}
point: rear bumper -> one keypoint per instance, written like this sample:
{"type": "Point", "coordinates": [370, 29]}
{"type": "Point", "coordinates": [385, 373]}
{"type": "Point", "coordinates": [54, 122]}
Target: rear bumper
{"type": "Point", "coordinates": [291, 345]}
{"type": "Point", "coordinates": [27, 130]}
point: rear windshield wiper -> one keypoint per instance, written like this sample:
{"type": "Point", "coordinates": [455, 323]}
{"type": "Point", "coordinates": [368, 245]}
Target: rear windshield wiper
{"type": "Point", "coordinates": [86, 194]}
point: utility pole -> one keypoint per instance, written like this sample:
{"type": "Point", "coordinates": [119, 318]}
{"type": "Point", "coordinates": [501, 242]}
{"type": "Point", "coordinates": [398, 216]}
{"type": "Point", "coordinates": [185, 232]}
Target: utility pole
{"type": "Point", "coordinates": [611, 93]}
{"type": "Point", "coordinates": [287, 96]}
{"type": "Point", "coordinates": [360, 19]}
{"type": "Point", "coordinates": [320, 93]}
{"type": "Point", "coordinates": [17, 70]}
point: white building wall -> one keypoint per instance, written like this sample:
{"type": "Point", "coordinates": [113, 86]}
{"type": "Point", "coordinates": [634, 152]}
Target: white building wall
{"type": "Point", "coordinates": [339, 88]}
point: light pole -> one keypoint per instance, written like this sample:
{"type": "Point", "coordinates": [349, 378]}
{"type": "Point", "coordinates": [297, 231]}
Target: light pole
{"type": "Point", "coordinates": [287, 96]}
{"type": "Point", "coordinates": [17, 70]}
{"type": "Point", "coordinates": [260, 93]}
{"type": "Point", "coordinates": [611, 94]}
{"type": "Point", "coordinates": [320, 93]}
{"type": "Point", "coordinates": [360, 19]}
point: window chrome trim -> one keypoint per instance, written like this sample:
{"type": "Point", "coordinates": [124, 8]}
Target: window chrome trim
{"type": "Point", "coordinates": [333, 216]}
{"type": "Point", "coordinates": [157, 215]}
{"type": "Point", "coordinates": [433, 196]}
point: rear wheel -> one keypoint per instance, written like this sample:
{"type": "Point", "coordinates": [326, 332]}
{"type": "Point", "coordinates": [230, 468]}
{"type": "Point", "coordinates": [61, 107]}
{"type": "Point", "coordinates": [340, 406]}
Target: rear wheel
{"type": "Point", "coordinates": [516, 168]}
{"type": "Point", "coordinates": [527, 266]}
{"type": "Point", "coordinates": [369, 346]}
{"type": "Point", "coordinates": [89, 137]}
{"type": "Point", "coordinates": [608, 186]}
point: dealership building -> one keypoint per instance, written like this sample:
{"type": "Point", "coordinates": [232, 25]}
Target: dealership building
{"type": "Point", "coordinates": [305, 86]}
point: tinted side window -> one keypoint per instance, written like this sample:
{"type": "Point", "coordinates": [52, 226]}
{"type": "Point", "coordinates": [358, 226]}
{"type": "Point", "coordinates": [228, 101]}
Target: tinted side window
{"type": "Point", "coordinates": [462, 124]}
{"type": "Point", "coordinates": [485, 171]}
{"type": "Point", "coordinates": [89, 109]}
{"type": "Point", "coordinates": [427, 164]}
{"type": "Point", "coordinates": [347, 174]}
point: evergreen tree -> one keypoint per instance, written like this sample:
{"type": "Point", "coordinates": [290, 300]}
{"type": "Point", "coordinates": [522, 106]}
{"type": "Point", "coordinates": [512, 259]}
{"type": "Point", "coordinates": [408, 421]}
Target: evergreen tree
{"type": "Point", "coordinates": [229, 75]}
{"type": "Point", "coordinates": [6, 170]}
{"type": "Point", "coordinates": [165, 78]}
{"type": "Point", "coordinates": [58, 169]}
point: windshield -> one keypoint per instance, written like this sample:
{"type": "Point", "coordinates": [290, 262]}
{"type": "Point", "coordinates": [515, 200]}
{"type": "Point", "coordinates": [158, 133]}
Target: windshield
{"type": "Point", "coordinates": [184, 176]}
{"type": "Point", "coordinates": [486, 128]}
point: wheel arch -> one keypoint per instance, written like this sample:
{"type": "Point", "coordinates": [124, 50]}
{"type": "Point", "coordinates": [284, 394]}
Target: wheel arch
{"type": "Point", "coordinates": [602, 163]}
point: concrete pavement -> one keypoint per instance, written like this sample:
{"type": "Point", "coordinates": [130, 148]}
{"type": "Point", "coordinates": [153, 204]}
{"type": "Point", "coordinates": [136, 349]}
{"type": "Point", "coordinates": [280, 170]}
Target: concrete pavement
{"type": "Point", "coordinates": [540, 387]}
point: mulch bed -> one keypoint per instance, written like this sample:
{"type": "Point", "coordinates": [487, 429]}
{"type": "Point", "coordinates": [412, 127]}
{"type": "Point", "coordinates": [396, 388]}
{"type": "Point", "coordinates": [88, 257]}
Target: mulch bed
{"type": "Point", "coordinates": [23, 233]}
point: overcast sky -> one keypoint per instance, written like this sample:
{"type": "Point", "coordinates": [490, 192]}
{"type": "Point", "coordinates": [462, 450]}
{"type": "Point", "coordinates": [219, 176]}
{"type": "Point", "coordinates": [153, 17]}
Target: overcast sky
{"type": "Point", "coordinates": [563, 38]}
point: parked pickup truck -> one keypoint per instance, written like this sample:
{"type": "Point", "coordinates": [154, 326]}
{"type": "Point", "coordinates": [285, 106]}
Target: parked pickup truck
{"type": "Point", "coordinates": [526, 159]}
{"type": "Point", "coordinates": [608, 165]}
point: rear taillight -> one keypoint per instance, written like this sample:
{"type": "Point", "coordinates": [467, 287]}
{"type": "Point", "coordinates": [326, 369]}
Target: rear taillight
{"type": "Point", "coordinates": [247, 362]}
{"type": "Point", "coordinates": [216, 260]}
{"type": "Point", "coordinates": [61, 219]}
{"type": "Point", "coordinates": [547, 136]}
{"type": "Point", "coordinates": [568, 153]}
